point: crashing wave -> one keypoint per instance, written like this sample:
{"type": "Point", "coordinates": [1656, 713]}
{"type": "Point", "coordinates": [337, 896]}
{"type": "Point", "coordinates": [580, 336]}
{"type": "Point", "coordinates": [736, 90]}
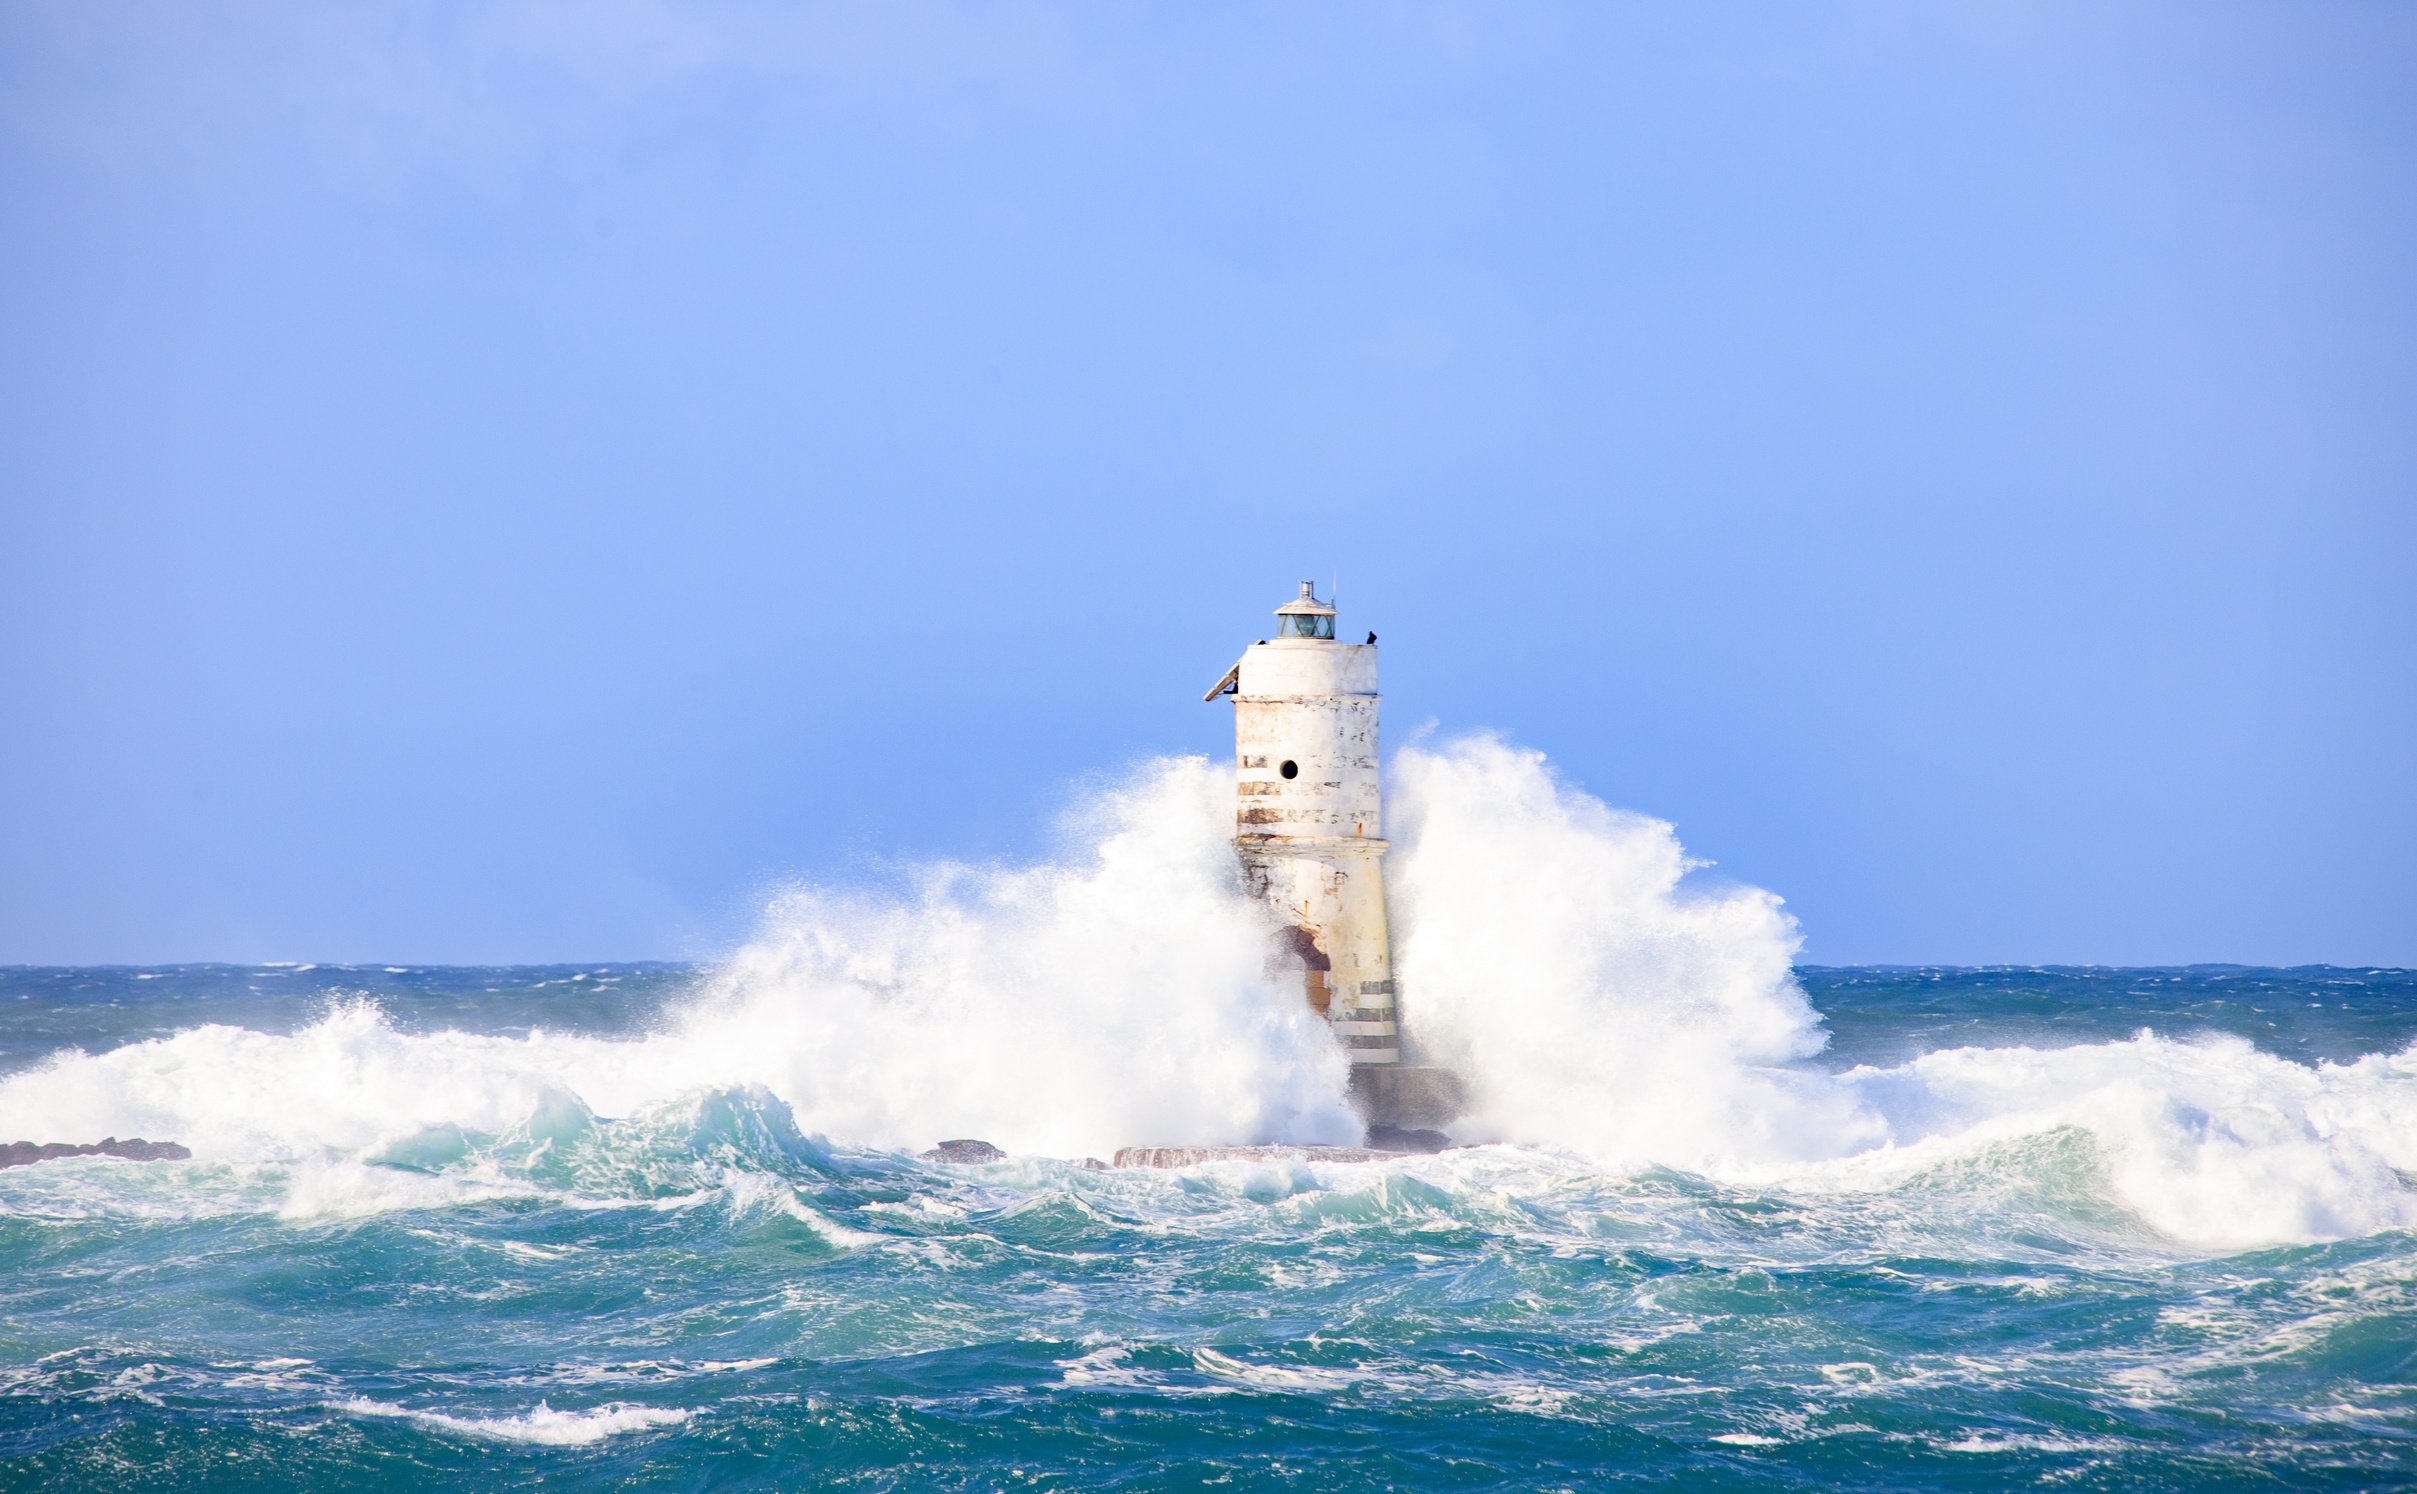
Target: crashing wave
{"type": "Point", "coordinates": [1562, 955]}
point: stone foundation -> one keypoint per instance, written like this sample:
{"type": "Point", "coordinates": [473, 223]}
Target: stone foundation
{"type": "Point", "coordinates": [1408, 1096]}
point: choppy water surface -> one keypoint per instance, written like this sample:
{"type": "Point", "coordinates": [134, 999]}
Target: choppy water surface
{"type": "Point", "coordinates": [699, 1292]}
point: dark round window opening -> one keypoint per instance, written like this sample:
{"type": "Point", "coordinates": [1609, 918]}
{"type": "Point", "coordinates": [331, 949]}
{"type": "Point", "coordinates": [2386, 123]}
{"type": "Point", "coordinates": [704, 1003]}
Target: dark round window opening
{"type": "Point", "coordinates": [1290, 769]}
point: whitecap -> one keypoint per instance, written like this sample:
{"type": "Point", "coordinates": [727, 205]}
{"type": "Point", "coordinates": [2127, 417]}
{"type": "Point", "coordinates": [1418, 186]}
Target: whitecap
{"type": "Point", "coordinates": [543, 1425]}
{"type": "Point", "coordinates": [1560, 953]}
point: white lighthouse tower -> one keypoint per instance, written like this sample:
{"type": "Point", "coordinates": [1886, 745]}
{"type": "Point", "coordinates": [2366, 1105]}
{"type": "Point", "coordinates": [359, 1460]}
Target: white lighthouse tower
{"type": "Point", "coordinates": [1306, 819]}
{"type": "Point", "coordinates": [1309, 831]}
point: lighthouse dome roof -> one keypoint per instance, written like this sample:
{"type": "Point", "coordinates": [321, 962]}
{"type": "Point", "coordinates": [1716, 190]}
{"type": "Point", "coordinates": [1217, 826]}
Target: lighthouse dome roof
{"type": "Point", "coordinates": [1306, 603]}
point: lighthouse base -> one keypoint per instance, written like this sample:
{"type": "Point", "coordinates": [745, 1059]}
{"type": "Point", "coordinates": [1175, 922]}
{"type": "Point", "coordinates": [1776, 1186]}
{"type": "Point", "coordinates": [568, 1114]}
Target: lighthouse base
{"type": "Point", "coordinates": [1406, 1096]}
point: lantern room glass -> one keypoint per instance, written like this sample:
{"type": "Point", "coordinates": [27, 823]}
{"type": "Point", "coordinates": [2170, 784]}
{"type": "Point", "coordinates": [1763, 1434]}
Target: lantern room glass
{"type": "Point", "coordinates": [1305, 625]}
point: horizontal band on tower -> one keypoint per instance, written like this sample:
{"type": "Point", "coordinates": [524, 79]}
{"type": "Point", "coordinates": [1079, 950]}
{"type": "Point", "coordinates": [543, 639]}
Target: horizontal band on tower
{"type": "Point", "coordinates": [1366, 1029]}
{"type": "Point", "coordinates": [1320, 698]}
{"type": "Point", "coordinates": [1368, 845]}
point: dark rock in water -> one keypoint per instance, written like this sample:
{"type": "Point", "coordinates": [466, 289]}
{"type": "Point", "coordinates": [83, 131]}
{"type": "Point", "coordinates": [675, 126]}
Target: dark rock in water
{"type": "Point", "coordinates": [26, 1153]}
{"type": "Point", "coordinates": [1404, 1139]}
{"type": "Point", "coordinates": [965, 1153]}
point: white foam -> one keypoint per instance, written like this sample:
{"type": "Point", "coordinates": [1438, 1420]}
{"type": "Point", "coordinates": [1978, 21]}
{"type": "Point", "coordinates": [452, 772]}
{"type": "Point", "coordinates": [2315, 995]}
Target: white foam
{"type": "Point", "coordinates": [347, 1082]}
{"type": "Point", "coordinates": [1568, 958]}
{"type": "Point", "coordinates": [1555, 950]}
{"type": "Point", "coordinates": [2020, 1443]}
{"type": "Point", "coordinates": [1316, 1379]}
{"type": "Point", "coordinates": [1117, 998]}
{"type": "Point", "coordinates": [328, 1188]}
{"type": "Point", "coordinates": [1107, 1366]}
{"type": "Point", "coordinates": [544, 1425]}
{"type": "Point", "coordinates": [1067, 1008]}
{"type": "Point", "coordinates": [2208, 1140]}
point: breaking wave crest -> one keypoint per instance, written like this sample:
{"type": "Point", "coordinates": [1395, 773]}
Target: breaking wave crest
{"type": "Point", "coordinates": [1072, 1008]}
{"type": "Point", "coordinates": [1559, 953]}
{"type": "Point", "coordinates": [1600, 996]}
{"type": "Point", "coordinates": [544, 1425]}
{"type": "Point", "coordinates": [1121, 994]}
{"type": "Point", "coordinates": [1552, 951]}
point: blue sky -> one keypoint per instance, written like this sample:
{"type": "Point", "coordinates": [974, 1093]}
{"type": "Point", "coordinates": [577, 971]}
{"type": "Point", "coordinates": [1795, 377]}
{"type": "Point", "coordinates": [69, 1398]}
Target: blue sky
{"type": "Point", "coordinates": [517, 481]}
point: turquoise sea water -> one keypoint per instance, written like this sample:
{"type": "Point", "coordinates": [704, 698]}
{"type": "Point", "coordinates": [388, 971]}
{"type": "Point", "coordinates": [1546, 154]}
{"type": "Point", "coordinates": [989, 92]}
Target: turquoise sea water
{"type": "Point", "coordinates": [700, 1293]}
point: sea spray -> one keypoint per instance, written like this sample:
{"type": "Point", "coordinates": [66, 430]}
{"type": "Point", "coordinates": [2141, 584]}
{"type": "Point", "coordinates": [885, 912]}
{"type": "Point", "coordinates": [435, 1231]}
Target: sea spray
{"type": "Point", "coordinates": [1122, 996]}
{"type": "Point", "coordinates": [1602, 997]}
{"type": "Point", "coordinates": [2206, 1139]}
{"type": "Point", "coordinates": [1553, 950]}
{"type": "Point", "coordinates": [1567, 958]}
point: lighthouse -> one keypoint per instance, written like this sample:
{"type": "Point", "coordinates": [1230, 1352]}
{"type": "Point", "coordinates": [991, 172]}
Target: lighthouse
{"type": "Point", "coordinates": [1309, 829]}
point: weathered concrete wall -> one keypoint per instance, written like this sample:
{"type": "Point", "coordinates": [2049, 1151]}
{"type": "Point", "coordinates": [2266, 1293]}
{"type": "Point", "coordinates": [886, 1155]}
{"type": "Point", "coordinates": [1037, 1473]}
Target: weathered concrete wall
{"type": "Point", "coordinates": [1333, 887]}
{"type": "Point", "coordinates": [1308, 820]}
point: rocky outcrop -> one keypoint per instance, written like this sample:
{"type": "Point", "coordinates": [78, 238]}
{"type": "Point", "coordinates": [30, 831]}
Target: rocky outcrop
{"type": "Point", "coordinates": [1404, 1139]}
{"type": "Point", "coordinates": [26, 1153]}
{"type": "Point", "coordinates": [965, 1152]}
{"type": "Point", "coordinates": [971, 1153]}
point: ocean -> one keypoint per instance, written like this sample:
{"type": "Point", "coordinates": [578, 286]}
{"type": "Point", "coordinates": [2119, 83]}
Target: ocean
{"type": "Point", "coordinates": [1727, 1220]}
